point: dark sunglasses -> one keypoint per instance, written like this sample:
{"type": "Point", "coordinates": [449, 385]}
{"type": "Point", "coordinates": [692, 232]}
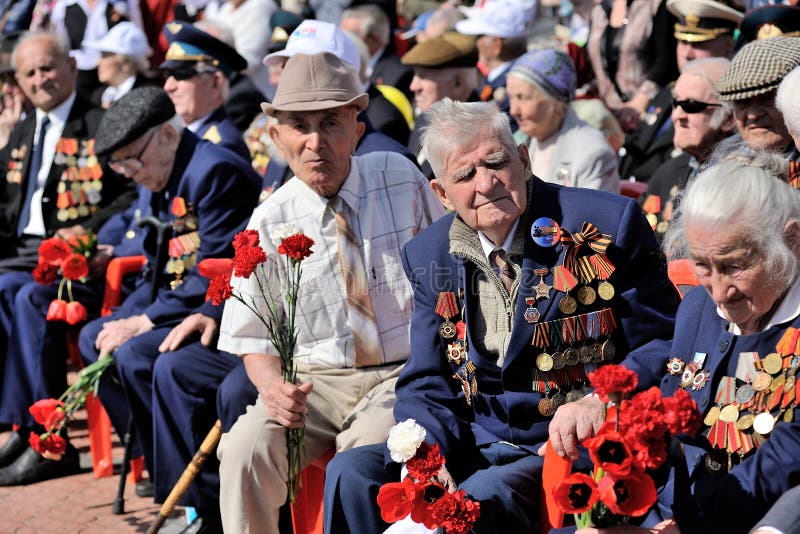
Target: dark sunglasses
{"type": "Point", "coordinates": [181, 74]}
{"type": "Point", "coordinates": [693, 106]}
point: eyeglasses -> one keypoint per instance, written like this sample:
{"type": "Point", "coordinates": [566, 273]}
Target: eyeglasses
{"type": "Point", "coordinates": [182, 73]}
{"type": "Point", "coordinates": [691, 105]}
{"type": "Point", "coordinates": [129, 166]}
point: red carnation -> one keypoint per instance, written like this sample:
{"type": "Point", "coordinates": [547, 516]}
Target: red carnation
{"type": "Point", "coordinates": [246, 238]}
{"type": "Point", "coordinates": [455, 513]}
{"type": "Point", "coordinates": [396, 499]}
{"type": "Point", "coordinates": [612, 382]}
{"type": "Point", "coordinates": [212, 267]}
{"type": "Point", "coordinates": [54, 250]}
{"type": "Point", "coordinates": [297, 247]}
{"type": "Point", "coordinates": [76, 313]}
{"type": "Point", "coordinates": [609, 451]}
{"type": "Point", "coordinates": [45, 273]}
{"type": "Point", "coordinates": [219, 289]}
{"type": "Point", "coordinates": [576, 494]}
{"type": "Point", "coordinates": [247, 259]}
{"type": "Point", "coordinates": [57, 311]}
{"type": "Point", "coordinates": [426, 462]}
{"type": "Point", "coordinates": [631, 495]}
{"type": "Point", "coordinates": [43, 410]}
{"type": "Point", "coordinates": [75, 267]}
{"type": "Point", "coordinates": [51, 447]}
{"type": "Point", "coordinates": [681, 413]}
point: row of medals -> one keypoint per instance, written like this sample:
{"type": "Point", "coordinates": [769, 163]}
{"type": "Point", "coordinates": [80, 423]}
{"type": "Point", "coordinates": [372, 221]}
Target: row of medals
{"type": "Point", "coordinates": [770, 380]}
{"type": "Point", "coordinates": [177, 266]}
{"type": "Point", "coordinates": [92, 190]}
{"type": "Point", "coordinates": [587, 296]}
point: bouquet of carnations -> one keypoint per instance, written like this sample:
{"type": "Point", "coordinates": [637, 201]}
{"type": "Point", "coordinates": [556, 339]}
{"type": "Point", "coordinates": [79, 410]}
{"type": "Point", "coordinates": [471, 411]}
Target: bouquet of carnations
{"type": "Point", "coordinates": [248, 260]}
{"type": "Point", "coordinates": [68, 258]}
{"type": "Point", "coordinates": [421, 494]}
{"type": "Point", "coordinates": [633, 441]}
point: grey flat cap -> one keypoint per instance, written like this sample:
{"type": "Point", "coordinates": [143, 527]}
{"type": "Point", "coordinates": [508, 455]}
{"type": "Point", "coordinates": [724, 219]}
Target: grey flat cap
{"type": "Point", "coordinates": [130, 117]}
{"type": "Point", "coordinates": [759, 67]}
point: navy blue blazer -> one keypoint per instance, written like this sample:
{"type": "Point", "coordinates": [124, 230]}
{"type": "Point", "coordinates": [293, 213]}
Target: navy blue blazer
{"type": "Point", "coordinates": [230, 137]}
{"type": "Point", "coordinates": [734, 502]}
{"type": "Point", "coordinates": [223, 191]}
{"type": "Point", "coordinates": [505, 408]}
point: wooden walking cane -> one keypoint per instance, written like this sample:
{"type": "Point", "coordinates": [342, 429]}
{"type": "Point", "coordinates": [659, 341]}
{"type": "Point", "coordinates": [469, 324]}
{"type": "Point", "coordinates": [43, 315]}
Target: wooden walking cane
{"type": "Point", "coordinates": [180, 487]}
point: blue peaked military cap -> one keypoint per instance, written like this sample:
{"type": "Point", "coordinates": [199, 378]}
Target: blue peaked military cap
{"type": "Point", "coordinates": [187, 44]}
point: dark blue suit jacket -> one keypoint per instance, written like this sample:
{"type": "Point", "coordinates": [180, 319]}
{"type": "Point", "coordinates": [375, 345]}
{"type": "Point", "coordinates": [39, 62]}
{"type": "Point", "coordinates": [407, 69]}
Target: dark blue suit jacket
{"type": "Point", "coordinates": [230, 136]}
{"type": "Point", "coordinates": [505, 407]}
{"type": "Point", "coordinates": [223, 190]}
{"type": "Point", "coordinates": [734, 502]}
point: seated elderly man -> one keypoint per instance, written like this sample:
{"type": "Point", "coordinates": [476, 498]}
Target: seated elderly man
{"type": "Point", "coordinates": [540, 86]}
{"type": "Point", "coordinates": [359, 210]}
{"type": "Point", "coordinates": [739, 225]}
{"type": "Point", "coordinates": [750, 84]}
{"type": "Point", "coordinates": [205, 194]}
{"type": "Point", "coordinates": [700, 121]}
{"type": "Point", "coordinates": [506, 261]}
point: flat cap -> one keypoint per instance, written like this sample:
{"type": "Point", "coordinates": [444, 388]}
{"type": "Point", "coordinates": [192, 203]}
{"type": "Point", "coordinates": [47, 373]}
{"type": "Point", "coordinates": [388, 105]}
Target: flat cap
{"type": "Point", "coordinates": [130, 117]}
{"type": "Point", "coordinates": [759, 67]}
{"type": "Point", "coordinates": [778, 20]}
{"type": "Point", "coordinates": [452, 49]}
{"type": "Point", "coordinates": [187, 44]}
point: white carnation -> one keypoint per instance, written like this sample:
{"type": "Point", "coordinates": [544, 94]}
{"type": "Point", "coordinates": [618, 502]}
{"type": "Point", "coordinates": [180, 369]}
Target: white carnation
{"type": "Point", "coordinates": [404, 440]}
{"type": "Point", "coordinates": [282, 231]}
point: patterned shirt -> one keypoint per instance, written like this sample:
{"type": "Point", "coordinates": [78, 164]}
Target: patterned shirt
{"type": "Point", "coordinates": [393, 202]}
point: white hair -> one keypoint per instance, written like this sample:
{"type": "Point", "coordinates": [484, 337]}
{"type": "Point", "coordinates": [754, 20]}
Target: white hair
{"type": "Point", "coordinates": [452, 124]}
{"type": "Point", "coordinates": [710, 69]}
{"type": "Point", "coordinates": [62, 47]}
{"type": "Point", "coordinates": [787, 100]}
{"type": "Point", "coordinates": [372, 21]}
{"type": "Point", "coordinates": [746, 191]}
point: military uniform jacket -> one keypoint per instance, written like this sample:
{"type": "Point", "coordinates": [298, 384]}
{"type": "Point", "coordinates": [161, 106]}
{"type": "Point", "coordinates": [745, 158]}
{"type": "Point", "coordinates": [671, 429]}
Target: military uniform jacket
{"type": "Point", "coordinates": [733, 502]}
{"type": "Point", "coordinates": [505, 408]}
{"type": "Point", "coordinates": [220, 130]}
{"type": "Point", "coordinates": [117, 193]}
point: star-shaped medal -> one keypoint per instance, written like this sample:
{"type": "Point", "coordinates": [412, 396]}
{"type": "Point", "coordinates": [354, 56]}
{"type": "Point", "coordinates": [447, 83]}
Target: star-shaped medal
{"type": "Point", "coordinates": [542, 290]}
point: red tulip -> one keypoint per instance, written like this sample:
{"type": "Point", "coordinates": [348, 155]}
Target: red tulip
{"type": "Point", "coordinates": [631, 495]}
{"type": "Point", "coordinates": [76, 313]}
{"type": "Point", "coordinates": [57, 311]}
{"type": "Point", "coordinates": [396, 499]}
{"type": "Point", "coordinates": [576, 494]}
{"type": "Point", "coordinates": [43, 410]}
{"type": "Point", "coordinates": [609, 451]}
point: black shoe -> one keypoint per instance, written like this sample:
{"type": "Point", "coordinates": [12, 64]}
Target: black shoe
{"type": "Point", "coordinates": [16, 445]}
{"type": "Point", "coordinates": [32, 467]}
{"type": "Point", "coordinates": [144, 488]}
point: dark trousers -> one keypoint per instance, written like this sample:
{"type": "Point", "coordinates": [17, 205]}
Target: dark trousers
{"type": "Point", "coordinates": [506, 484]}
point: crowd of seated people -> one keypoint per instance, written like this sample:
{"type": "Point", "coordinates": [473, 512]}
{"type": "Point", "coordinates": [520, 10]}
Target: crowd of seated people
{"type": "Point", "coordinates": [454, 163]}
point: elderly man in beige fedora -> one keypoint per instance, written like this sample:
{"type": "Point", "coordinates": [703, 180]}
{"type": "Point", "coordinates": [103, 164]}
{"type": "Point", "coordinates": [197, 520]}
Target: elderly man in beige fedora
{"type": "Point", "coordinates": [360, 211]}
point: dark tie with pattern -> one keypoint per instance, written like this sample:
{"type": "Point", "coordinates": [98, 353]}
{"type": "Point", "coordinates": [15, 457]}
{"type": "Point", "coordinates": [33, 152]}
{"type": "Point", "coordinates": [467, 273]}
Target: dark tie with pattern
{"type": "Point", "coordinates": [31, 181]}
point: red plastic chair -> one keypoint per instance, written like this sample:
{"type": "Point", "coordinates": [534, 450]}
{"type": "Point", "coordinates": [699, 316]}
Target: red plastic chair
{"type": "Point", "coordinates": [632, 189]}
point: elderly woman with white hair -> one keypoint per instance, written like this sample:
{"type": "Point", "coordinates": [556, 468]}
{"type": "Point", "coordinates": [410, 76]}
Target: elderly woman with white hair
{"type": "Point", "coordinates": [735, 349]}
{"type": "Point", "coordinates": [563, 148]}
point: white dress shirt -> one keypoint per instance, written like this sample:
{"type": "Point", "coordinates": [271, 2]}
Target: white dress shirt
{"type": "Point", "coordinates": [394, 202]}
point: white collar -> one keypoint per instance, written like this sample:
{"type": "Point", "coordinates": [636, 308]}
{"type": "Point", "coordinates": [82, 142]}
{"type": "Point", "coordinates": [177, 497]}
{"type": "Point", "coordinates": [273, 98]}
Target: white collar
{"type": "Point", "coordinates": [489, 247]}
{"type": "Point", "coordinates": [788, 310]}
{"type": "Point", "coordinates": [193, 127]}
{"type": "Point", "coordinates": [497, 71]}
{"type": "Point", "coordinates": [59, 114]}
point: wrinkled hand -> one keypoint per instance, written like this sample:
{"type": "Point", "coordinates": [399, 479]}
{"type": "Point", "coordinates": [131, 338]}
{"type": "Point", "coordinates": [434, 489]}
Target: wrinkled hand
{"type": "Point", "coordinates": [72, 231]}
{"type": "Point", "coordinates": [572, 423]}
{"type": "Point", "coordinates": [11, 113]}
{"type": "Point", "coordinates": [665, 527]}
{"type": "Point", "coordinates": [195, 323]}
{"type": "Point", "coordinates": [285, 402]}
{"type": "Point", "coordinates": [115, 333]}
{"type": "Point", "coordinates": [446, 479]}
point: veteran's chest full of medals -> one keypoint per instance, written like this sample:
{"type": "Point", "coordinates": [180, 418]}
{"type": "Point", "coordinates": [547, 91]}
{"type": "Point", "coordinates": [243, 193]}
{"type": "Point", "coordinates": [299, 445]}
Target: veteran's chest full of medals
{"type": "Point", "coordinates": [183, 247]}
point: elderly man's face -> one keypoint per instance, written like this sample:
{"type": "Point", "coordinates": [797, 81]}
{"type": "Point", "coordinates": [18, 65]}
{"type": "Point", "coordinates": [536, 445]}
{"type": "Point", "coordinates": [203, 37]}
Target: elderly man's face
{"type": "Point", "coordinates": [760, 123]}
{"type": "Point", "coordinates": [694, 133]}
{"type": "Point", "coordinates": [196, 97]}
{"type": "Point", "coordinates": [317, 145]}
{"type": "Point", "coordinates": [46, 78]}
{"type": "Point", "coordinates": [486, 183]}
{"type": "Point", "coordinates": [148, 161]}
{"type": "Point", "coordinates": [431, 85]}
{"type": "Point", "coordinates": [686, 51]}
{"type": "Point", "coordinates": [733, 275]}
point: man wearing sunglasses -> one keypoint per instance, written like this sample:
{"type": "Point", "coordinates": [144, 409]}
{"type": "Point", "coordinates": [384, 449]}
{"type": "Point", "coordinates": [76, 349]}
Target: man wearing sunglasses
{"type": "Point", "coordinates": [700, 121]}
{"type": "Point", "coordinates": [196, 73]}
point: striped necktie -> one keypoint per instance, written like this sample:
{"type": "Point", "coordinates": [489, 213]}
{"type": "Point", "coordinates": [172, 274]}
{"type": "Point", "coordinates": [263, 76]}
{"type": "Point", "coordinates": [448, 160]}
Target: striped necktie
{"type": "Point", "coordinates": [359, 305]}
{"type": "Point", "coordinates": [507, 273]}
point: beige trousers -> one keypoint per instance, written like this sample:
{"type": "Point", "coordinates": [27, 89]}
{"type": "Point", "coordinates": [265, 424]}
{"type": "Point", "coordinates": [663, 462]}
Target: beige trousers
{"type": "Point", "coordinates": [347, 408]}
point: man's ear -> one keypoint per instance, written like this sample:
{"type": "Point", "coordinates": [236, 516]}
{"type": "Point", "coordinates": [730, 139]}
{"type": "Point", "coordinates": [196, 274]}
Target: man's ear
{"type": "Point", "coordinates": [791, 233]}
{"type": "Point", "coordinates": [438, 189]}
{"type": "Point", "coordinates": [522, 150]}
{"type": "Point", "coordinates": [360, 127]}
{"type": "Point", "coordinates": [272, 130]}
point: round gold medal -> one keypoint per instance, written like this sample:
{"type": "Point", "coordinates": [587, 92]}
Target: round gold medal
{"type": "Point", "coordinates": [544, 362]}
{"type": "Point", "coordinates": [777, 383]}
{"type": "Point", "coordinates": [762, 382]}
{"type": "Point", "coordinates": [180, 267]}
{"type": "Point", "coordinates": [729, 414]}
{"type": "Point", "coordinates": [568, 305]}
{"type": "Point", "coordinates": [772, 363]}
{"type": "Point", "coordinates": [764, 423]}
{"type": "Point", "coordinates": [712, 416]}
{"type": "Point", "coordinates": [605, 290]}
{"type": "Point", "coordinates": [72, 212]}
{"type": "Point", "coordinates": [789, 384]}
{"type": "Point", "coordinates": [447, 329]}
{"type": "Point", "coordinates": [662, 227]}
{"type": "Point", "coordinates": [745, 422]}
{"type": "Point", "coordinates": [62, 215]}
{"type": "Point", "coordinates": [586, 296]}
{"type": "Point", "coordinates": [788, 415]}
{"type": "Point", "coordinates": [546, 407]}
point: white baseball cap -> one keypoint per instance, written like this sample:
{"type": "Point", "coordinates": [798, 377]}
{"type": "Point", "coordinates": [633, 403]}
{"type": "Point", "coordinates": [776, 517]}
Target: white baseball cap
{"type": "Point", "coordinates": [315, 36]}
{"type": "Point", "coordinates": [504, 18]}
{"type": "Point", "coordinates": [124, 38]}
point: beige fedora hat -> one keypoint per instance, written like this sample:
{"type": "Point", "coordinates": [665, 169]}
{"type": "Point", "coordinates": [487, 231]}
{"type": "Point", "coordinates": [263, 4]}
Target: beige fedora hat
{"type": "Point", "coordinates": [315, 82]}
